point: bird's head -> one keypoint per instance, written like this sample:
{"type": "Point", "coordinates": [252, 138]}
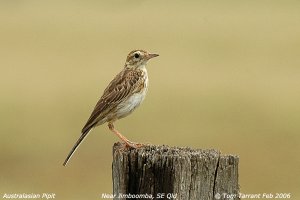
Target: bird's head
{"type": "Point", "coordinates": [138, 58]}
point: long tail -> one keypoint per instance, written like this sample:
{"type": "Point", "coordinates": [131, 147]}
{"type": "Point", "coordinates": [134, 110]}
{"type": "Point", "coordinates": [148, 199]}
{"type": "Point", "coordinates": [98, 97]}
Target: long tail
{"type": "Point", "coordinates": [83, 135]}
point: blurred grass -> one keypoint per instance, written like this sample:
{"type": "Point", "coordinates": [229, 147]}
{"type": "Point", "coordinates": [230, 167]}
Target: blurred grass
{"type": "Point", "coordinates": [228, 78]}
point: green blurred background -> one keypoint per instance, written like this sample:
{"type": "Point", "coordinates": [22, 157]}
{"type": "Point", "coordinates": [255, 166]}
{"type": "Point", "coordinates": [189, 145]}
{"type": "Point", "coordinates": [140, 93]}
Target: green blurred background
{"type": "Point", "coordinates": [228, 77]}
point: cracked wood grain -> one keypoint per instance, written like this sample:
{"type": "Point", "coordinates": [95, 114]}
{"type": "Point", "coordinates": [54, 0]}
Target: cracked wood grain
{"type": "Point", "coordinates": [181, 173]}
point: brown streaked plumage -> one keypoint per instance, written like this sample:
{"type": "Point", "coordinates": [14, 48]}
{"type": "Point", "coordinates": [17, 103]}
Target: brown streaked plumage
{"type": "Point", "coordinates": [124, 93]}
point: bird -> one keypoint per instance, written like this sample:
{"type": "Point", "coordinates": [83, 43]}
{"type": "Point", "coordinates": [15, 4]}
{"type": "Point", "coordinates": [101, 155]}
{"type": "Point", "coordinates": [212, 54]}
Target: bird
{"type": "Point", "coordinates": [120, 98]}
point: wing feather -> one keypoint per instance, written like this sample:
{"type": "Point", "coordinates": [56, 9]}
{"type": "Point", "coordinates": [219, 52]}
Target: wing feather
{"type": "Point", "coordinates": [125, 83]}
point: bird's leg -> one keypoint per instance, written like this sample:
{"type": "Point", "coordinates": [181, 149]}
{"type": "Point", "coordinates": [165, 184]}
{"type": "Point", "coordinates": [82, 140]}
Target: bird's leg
{"type": "Point", "coordinates": [123, 138]}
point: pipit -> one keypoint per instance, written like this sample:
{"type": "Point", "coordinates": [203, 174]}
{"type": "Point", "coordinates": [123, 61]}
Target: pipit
{"type": "Point", "coordinates": [122, 96]}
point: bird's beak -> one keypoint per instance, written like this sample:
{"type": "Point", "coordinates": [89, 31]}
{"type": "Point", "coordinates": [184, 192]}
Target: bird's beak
{"type": "Point", "coordinates": [151, 55]}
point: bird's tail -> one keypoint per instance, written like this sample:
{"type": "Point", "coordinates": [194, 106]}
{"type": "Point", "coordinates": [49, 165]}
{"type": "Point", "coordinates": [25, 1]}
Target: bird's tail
{"type": "Point", "coordinates": [83, 135]}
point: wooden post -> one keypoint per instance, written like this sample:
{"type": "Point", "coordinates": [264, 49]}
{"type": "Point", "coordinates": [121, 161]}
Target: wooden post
{"type": "Point", "coordinates": [162, 172]}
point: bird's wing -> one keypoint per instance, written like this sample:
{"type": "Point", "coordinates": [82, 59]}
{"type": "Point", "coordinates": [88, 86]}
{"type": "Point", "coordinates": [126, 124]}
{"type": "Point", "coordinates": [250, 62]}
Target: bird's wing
{"type": "Point", "coordinates": [125, 83]}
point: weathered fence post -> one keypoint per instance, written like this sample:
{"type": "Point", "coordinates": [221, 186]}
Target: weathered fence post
{"type": "Point", "coordinates": [164, 172]}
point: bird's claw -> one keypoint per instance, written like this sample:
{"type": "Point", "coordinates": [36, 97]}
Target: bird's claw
{"type": "Point", "coordinates": [134, 145]}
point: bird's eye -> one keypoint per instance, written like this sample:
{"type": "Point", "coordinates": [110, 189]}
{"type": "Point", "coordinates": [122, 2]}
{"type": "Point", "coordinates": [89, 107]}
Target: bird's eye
{"type": "Point", "coordinates": [136, 55]}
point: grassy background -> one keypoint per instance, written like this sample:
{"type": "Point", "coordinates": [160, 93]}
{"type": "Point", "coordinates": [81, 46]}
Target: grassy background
{"type": "Point", "coordinates": [228, 77]}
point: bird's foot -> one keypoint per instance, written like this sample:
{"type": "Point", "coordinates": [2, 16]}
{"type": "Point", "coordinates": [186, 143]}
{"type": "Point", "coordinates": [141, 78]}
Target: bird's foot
{"type": "Point", "coordinates": [134, 145]}
{"type": "Point", "coordinates": [128, 145]}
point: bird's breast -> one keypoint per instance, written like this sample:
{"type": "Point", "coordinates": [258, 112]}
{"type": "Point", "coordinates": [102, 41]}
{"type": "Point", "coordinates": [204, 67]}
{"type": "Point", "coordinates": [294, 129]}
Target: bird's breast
{"type": "Point", "coordinates": [134, 100]}
{"type": "Point", "coordinates": [126, 107]}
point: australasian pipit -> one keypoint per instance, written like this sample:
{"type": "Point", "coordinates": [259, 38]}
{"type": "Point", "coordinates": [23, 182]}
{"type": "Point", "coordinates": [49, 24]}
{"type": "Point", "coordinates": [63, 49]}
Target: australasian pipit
{"type": "Point", "coordinates": [123, 94]}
